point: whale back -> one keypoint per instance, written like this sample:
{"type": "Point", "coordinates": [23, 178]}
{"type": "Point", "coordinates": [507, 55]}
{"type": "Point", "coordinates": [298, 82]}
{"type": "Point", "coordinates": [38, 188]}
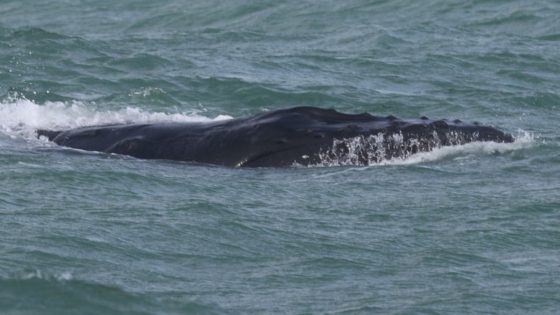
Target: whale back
{"type": "Point", "coordinates": [300, 135]}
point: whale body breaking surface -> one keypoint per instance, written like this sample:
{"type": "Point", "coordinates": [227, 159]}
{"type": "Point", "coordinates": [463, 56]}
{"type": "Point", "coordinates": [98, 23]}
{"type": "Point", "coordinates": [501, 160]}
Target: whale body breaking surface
{"type": "Point", "coordinates": [295, 136]}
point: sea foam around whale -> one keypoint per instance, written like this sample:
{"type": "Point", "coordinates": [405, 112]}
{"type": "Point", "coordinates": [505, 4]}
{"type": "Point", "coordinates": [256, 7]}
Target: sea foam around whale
{"type": "Point", "coordinates": [372, 146]}
{"type": "Point", "coordinates": [20, 118]}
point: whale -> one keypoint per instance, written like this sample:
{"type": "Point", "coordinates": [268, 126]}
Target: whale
{"type": "Point", "coordinates": [303, 136]}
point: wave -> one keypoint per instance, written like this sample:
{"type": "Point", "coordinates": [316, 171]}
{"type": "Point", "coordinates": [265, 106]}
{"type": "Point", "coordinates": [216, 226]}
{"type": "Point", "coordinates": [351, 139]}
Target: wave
{"type": "Point", "coordinates": [32, 291]}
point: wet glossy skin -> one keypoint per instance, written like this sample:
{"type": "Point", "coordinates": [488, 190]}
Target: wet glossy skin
{"type": "Point", "coordinates": [300, 135]}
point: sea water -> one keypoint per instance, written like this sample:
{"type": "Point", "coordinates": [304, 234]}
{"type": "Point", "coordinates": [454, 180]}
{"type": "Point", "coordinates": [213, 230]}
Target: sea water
{"type": "Point", "coordinates": [466, 229]}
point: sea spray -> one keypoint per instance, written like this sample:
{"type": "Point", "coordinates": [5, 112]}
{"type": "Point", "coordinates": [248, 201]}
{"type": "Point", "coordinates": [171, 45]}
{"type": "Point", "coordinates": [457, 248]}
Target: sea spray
{"type": "Point", "coordinates": [21, 117]}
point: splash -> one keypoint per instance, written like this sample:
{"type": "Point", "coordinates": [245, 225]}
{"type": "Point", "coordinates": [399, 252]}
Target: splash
{"type": "Point", "coordinates": [372, 150]}
{"type": "Point", "coordinates": [20, 117]}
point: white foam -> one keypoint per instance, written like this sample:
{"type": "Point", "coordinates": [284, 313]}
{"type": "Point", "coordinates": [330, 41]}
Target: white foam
{"type": "Point", "coordinates": [38, 274]}
{"type": "Point", "coordinates": [463, 150]}
{"type": "Point", "coordinates": [357, 148]}
{"type": "Point", "coordinates": [20, 117]}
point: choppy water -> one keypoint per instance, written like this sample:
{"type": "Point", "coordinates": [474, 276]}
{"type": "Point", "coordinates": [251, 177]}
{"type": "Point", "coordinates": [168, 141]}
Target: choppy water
{"type": "Point", "coordinates": [470, 229]}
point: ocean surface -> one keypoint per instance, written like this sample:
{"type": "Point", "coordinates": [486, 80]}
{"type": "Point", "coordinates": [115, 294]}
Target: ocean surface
{"type": "Point", "coordinates": [472, 229]}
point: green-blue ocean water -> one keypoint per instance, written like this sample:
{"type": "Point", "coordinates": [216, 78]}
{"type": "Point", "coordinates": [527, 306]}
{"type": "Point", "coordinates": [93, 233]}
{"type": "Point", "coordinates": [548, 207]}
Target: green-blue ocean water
{"type": "Point", "coordinates": [471, 229]}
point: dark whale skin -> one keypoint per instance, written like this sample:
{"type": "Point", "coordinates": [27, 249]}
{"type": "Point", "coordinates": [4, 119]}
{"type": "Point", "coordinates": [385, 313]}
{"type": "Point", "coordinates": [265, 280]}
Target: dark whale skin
{"type": "Point", "coordinates": [295, 136]}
